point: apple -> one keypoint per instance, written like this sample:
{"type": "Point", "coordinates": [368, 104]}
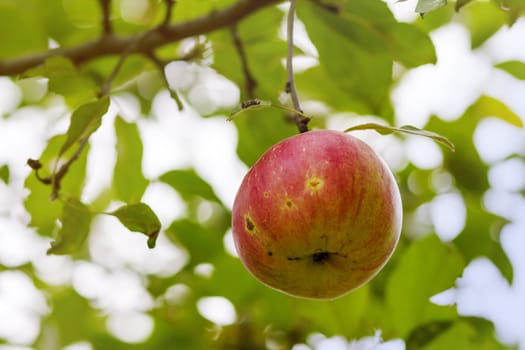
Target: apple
{"type": "Point", "coordinates": [317, 216]}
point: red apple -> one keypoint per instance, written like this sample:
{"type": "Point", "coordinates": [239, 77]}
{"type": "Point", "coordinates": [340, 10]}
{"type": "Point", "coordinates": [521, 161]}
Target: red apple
{"type": "Point", "coordinates": [317, 216]}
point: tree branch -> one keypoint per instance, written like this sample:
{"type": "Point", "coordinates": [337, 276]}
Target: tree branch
{"type": "Point", "coordinates": [156, 37]}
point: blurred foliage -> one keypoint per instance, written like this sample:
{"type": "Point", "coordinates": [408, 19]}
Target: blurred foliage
{"type": "Point", "coordinates": [357, 43]}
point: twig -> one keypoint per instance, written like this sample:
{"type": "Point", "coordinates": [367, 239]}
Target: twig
{"type": "Point", "coordinates": [107, 84]}
{"type": "Point", "coordinates": [250, 82]}
{"type": "Point", "coordinates": [105, 5]}
{"type": "Point", "coordinates": [300, 121]}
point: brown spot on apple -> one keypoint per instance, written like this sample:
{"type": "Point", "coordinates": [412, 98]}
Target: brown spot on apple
{"type": "Point", "coordinates": [314, 184]}
{"type": "Point", "coordinates": [288, 203]}
{"type": "Point", "coordinates": [249, 224]}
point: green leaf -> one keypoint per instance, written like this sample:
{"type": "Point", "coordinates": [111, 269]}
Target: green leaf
{"type": "Point", "coordinates": [21, 29]}
{"type": "Point", "coordinates": [203, 243]}
{"type": "Point", "coordinates": [85, 121]}
{"type": "Point", "coordinates": [76, 220]}
{"type": "Point", "coordinates": [4, 173]}
{"type": "Point", "coordinates": [426, 6]}
{"type": "Point", "coordinates": [139, 218]}
{"type": "Point", "coordinates": [128, 180]}
{"type": "Point", "coordinates": [487, 106]}
{"type": "Point", "coordinates": [426, 268]}
{"type": "Point", "coordinates": [515, 68]}
{"type": "Point", "coordinates": [188, 184]}
{"type": "Point", "coordinates": [407, 129]}
{"type": "Point", "coordinates": [411, 46]}
{"type": "Point", "coordinates": [259, 130]}
{"type": "Point", "coordinates": [462, 335]}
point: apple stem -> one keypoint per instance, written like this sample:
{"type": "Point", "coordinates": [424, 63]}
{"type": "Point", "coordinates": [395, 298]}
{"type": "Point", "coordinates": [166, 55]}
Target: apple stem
{"type": "Point", "coordinates": [300, 120]}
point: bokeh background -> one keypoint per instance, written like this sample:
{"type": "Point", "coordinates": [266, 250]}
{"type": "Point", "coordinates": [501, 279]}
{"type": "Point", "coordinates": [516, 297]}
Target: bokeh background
{"type": "Point", "coordinates": [457, 279]}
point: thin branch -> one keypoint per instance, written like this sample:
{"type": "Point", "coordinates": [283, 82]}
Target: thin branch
{"type": "Point", "coordinates": [124, 55]}
{"type": "Point", "coordinates": [161, 65]}
{"type": "Point", "coordinates": [105, 5]}
{"type": "Point", "coordinates": [300, 121]}
{"type": "Point", "coordinates": [107, 84]}
{"type": "Point", "coordinates": [156, 37]}
{"type": "Point", "coordinates": [250, 81]}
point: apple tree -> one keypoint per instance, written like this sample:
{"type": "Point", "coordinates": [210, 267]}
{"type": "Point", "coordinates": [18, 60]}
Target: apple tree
{"type": "Point", "coordinates": [127, 128]}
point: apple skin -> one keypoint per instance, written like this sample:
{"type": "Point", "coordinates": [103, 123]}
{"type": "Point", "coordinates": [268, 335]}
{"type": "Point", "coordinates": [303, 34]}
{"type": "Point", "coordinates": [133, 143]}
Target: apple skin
{"type": "Point", "coordinates": [317, 216]}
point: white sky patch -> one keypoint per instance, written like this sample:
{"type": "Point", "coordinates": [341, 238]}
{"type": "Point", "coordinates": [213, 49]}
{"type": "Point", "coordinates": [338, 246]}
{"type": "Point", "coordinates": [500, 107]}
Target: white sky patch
{"type": "Point", "coordinates": [21, 307]}
{"type": "Point", "coordinates": [229, 244]}
{"type": "Point", "coordinates": [18, 244]}
{"type": "Point", "coordinates": [53, 269]}
{"type": "Point", "coordinates": [130, 327]}
{"type": "Point", "coordinates": [218, 310]}
{"type": "Point", "coordinates": [423, 153]}
{"type": "Point", "coordinates": [11, 95]}
{"type": "Point", "coordinates": [505, 204]}
{"type": "Point", "coordinates": [448, 213]}
{"type": "Point", "coordinates": [117, 291]}
{"type": "Point", "coordinates": [496, 140]}
{"type": "Point", "coordinates": [508, 175]}
{"type": "Point", "coordinates": [482, 291]}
